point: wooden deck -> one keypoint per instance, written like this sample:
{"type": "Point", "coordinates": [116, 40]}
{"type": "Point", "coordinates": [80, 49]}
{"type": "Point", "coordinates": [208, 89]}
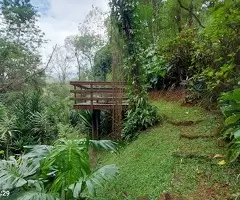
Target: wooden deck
{"type": "Point", "coordinates": [98, 95]}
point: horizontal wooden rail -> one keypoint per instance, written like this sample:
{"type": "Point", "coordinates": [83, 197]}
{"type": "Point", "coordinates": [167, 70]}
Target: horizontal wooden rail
{"type": "Point", "coordinates": [98, 95]}
{"type": "Point", "coordinates": [84, 83]}
{"type": "Point", "coordinates": [98, 91]}
{"type": "Point", "coordinates": [98, 98]}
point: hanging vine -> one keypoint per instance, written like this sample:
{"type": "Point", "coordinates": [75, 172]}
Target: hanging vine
{"type": "Point", "coordinates": [123, 14]}
{"type": "Point", "coordinates": [141, 114]}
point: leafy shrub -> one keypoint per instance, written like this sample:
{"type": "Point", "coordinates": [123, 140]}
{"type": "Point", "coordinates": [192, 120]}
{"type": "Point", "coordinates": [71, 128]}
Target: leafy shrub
{"type": "Point", "coordinates": [54, 92]}
{"type": "Point", "coordinates": [234, 150]}
{"type": "Point", "coordinates": [59, 111]}
{"type": "Point", "coordinates": [86, 119]}
{"type": "Point", "coordinates": [68, 131]}
{"type": "Point", "coordinates": [55, 172]}
{"type": "Point", "coordinates": [42, 128]}
{"type": "Point", "coordinates": [28, 102]}
{"type": "Point", "coordinates": [230, 106]}
{"type": "Point", "coordinates": [82, 120]}
{"type": "Point", "coordinates": [155, 66]}
{"type": "Point", "coordinates": [215, 60]}
{"type": "Point", "coordinates": [139, 118]}
{"type": "Point", "coordinates": [30, 121]}
{"type": "Point", "coordinates": [178, 53]}
{"type": "Point", "coordinates": [7, 131]}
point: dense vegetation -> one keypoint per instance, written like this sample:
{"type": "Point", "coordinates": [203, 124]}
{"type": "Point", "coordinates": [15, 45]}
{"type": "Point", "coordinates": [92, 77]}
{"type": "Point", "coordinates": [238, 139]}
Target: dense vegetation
{"type": "Point", "coordinates": [150, 44]}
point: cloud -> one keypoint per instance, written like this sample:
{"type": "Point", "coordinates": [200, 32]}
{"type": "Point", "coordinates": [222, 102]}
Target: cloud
{"type": "Point", "coordinates": [61, 18]}
{"type": "Point", "coordinates": [41, 5]}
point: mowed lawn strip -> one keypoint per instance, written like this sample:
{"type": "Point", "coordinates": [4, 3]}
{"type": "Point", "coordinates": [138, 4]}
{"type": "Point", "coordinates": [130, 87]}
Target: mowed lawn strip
{"type": "Point", "coordinates": [148, 167]}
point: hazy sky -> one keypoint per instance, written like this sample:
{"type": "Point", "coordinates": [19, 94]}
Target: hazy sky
{"type": "Point", "coordinates": [60, 18]}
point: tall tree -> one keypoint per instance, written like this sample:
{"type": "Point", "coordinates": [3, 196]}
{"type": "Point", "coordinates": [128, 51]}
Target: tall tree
{"type": "Point", "coordinates": [20, 40]}
{"type": "Point", "coordinates": [61, 63]}
{"type": "Point", "coordinates": [102, 63]}
{"type": "Point", "coordinates": [89, 40]}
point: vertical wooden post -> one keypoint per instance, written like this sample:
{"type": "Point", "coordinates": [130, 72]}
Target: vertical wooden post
{"type": "Point", "coordinates": [95, 132]}
{"type": "Point", "coordinates": [91, 96]}
{"type": "Point", "coordinates": [75, 94]}
{"type": "Point", "coordinates": [95, 124]}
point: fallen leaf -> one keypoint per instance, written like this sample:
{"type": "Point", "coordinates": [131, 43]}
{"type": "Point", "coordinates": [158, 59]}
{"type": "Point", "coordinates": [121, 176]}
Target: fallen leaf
{"type": "Point", "coordinates": [124, 194]}
{"type": "Point", "coordinates": [222, 162]}
{"type": "Point", "coordinates": [219, 156]}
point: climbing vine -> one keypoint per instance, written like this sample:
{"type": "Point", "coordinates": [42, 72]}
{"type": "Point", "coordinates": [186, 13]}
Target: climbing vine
{"type": "Point", "coordinates": [141, 114]}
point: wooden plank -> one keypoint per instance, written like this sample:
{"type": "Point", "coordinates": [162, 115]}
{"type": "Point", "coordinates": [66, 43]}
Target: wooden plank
{"type": "Point", "coordinates": [97, 91]}
{"type": "Point", "coordinates": [98, 106]}
{"type": "Point", "coordinates": [81, 86]}
{"type": "Point", "coordinates": [93, 94]}
{"type": "Point", "coordinates": [98, 98]}
{"type": "Point", "coordinates": [91, 97]}
{"type": "Point", "coordinates": [95, 124]}
{"type": "Point", "coordinates": [75, 95]}
{"type": "Point", "coordinates": [84, 83]}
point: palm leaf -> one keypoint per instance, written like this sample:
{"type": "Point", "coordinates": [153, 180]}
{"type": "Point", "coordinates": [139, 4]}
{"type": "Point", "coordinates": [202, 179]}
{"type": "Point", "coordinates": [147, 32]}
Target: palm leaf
{"type": "Point", "coordinates": [86, 118]}
{"type": "Point", "coordinates": [104, 144]}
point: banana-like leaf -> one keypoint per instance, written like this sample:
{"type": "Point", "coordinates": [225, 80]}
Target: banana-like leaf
{"type": "Point", "coordinates": [91, 182]}
{"type": "Point", "coordinates": [33, 195]}
{"type": "Point", "coordinates": [13, 173]}
{"type": "Point", "coordinates": [105, 173]}
{"type": "Point", "coordinates": [77, 188]}
{"type": "Point", "coordinates": [37, 151]}
{"type": "Point", "coordinates": [69, 160]}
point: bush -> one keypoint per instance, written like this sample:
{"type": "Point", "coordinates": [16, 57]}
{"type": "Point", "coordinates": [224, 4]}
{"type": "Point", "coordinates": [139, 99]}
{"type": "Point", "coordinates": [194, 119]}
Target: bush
{"type": "Point", "coordinates": [26, 122]}
{"type": "Point", "coordinates": [138, 119]}
{"type": "Point", "coordinates": [33, 121]}
{"type": "Point", "coordinates": [154, 66]}
{"type": "Point", "coordinates": [178, 53]}
{"type": "Point", "coordinates": [230, 106]}
{"type": "Point", "coordinates": [215, 60]}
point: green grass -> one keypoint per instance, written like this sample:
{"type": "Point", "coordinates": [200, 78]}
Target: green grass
{"type": "Point", "coordinates": [148, 168]}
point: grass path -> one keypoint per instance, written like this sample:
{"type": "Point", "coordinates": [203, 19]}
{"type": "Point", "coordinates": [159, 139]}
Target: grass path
{"type": "Point", "coordinates": [148, 166]}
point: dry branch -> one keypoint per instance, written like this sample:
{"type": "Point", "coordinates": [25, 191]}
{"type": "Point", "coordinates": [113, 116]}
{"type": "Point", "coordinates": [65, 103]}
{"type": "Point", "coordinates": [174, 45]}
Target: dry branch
{"type": "Point", "coordinates": [182, 6]}
{"type": "Point", "coordinates": [188, 155]}
{"type": "Point", "coordinates": [4, 89]}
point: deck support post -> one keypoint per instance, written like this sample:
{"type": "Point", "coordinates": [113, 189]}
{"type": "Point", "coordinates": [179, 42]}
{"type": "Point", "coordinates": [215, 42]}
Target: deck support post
{"type": "Point", "coordinates": [95, 124]}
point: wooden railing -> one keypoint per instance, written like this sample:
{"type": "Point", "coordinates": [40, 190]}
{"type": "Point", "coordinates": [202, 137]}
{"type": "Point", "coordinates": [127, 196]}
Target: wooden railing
{"type": "Point", "coordinates": [98, 95]}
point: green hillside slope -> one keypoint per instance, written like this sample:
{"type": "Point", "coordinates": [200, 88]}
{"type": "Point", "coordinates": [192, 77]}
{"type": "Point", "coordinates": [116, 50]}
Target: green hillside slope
{"type": "Point", "coordinates": [179, 157]}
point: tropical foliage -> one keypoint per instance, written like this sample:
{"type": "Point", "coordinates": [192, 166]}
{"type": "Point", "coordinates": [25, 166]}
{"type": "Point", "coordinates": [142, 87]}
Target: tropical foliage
{"type": "Point", "coordinates": [61, 171]}
{"type": "Point", "coordinates": [230, 106]}
{"type": "Point", "coordinates": [150, 44]}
